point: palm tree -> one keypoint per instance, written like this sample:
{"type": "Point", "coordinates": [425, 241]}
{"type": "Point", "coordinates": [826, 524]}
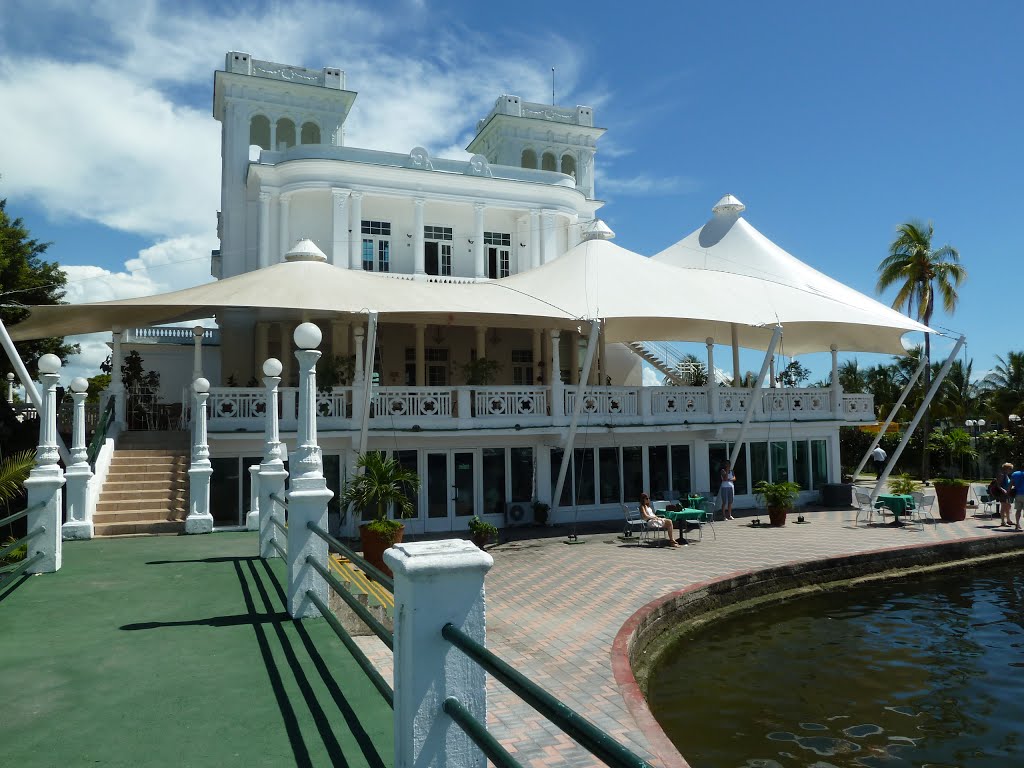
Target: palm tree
{"type": "Point", "coordinates": [690, 370]}
{"type": "Point", "coordinates": [1005, 383]}
{"type": "Point", "coordinates": [383, 482]}
{"type": "Point", "coordinates": [852, 378]}
{"type": "Point", "coordinates": [959, 398]}
{"type": "Point", "coordinates": [921, 271]}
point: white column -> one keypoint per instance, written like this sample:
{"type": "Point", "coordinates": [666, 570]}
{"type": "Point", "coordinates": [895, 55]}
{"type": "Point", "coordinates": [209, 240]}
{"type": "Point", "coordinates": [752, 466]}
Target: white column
{"type": "Point", "coordinates": [837, 388]}
{"type": "Point", "coordinates": [419, 256]}
{"type": "Point", "coordinates": [262, 341]}
{"type": "Point", "coordinates": [437, 583]}
{"type": "Point", "coordinates": [272, 471]}
{"type": "Point", "coordinates": [79, 524]}
{"type": "Point", "coordinates": [339, 219]}
{"type": "Point", "coordinates": [421, 355]}
{"type": "Point", "coordinates": [555, 378]}
{"type": "Point", "coordinates": [339, 338]}
{"type": "Point", "coordinates": [771, 374]}
{"type": "Point", "coordinates": [548, 236]}
{"type": "Point", "coordinates": [285, 332]}
{"type": "Point", "coordinates": [736, 374]}
{"type": "Point", "coordinates": [10, 388]}
{"type": "Point", "coordinates": [355, 231]}
{"type": "Point", "coordinates": [197, 352]}
{"type": "Point", "coordinates": [264, 241]}
{"type": "Point", "coordinates": [602, 372]}
{"type": "Point", "coordinates": [712, 385]}
{"type": "Point", "coordinates": [478, 240]}
{"type": "Point", "coordinates": [358, 377]}
{"type": "Point", "coordinates": [481, 342]}
{"type": "Point", "coordinates": [283, 226]}
{"type": "Point", "coordinates": [535, 238]}
{"type": "Point", "coordinates": [199, 519]}
{"type": "Point", "coordinates": [44, 483]}
{"type": "Point", "coordinates": [116, 382]}
{"type": "Point", "coordinates": [309, 494]}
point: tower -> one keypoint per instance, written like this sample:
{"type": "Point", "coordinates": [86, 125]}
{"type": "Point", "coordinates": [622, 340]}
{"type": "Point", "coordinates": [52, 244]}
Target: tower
{"type": "Point", "coordinates": [549, 138]}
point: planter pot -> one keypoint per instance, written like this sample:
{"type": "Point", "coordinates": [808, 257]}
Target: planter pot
{"type": "Point", "coordinates": [777, 516]}
{"type": "Point", "coordinates": [374, 545]}
{"type": "Point", "coordinates": [480, 540]}
{"type": "Point", "coordinates": [952, 500]}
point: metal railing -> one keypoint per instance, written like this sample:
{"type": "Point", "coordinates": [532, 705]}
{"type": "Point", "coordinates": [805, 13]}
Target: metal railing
{"type": "Point", "coordinates": [588, 735]}
{"type": "Point", "coordinates": [280, 526]}
{"type": "Point", "coordinates": [99, 435]}
{"type": "Point", "coordinates": [13, 570]}
{"type": "Point", "coordinates": [478, 734]}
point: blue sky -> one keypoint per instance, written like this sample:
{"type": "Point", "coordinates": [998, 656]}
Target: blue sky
{"type": "Point", "coordinates": [832, 122]}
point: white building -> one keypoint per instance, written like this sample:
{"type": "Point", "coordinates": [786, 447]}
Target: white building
{"type": "Point", "coordinates": [430, 225]}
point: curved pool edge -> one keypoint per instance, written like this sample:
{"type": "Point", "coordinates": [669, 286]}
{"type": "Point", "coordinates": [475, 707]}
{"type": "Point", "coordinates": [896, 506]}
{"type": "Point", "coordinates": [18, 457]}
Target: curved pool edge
{"type": "Point", "coordinates": [654, 627]}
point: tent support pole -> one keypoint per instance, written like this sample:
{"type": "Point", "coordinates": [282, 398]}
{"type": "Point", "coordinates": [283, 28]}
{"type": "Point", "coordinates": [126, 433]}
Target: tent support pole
{"type": "Point", "coordinates": [30, 386]}
{"type": "Point", "coordinates": [371, 344]}
{"type": "Point", "coordinates": [917, 418]}
{"type": "Point", "coordinates": [892, 415]}
{"type": "Point", "coordinates": [776, 335]}
{"type": "Point", "coordinates": [588, 361]}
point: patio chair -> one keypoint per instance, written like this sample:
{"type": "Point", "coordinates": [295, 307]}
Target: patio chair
{"type": "Point", "coordinates": [989, 506]}
{"type": "Point", "coordinates": [634, 523]}
{"type": "Point", "coordinates": [922, 506]}
{"type": "Point", "coordinates": [708, 496]}
{"type": "Point", "coordinates": [708, 518]}
{"type": "Point", "coordinates": [865, 505]}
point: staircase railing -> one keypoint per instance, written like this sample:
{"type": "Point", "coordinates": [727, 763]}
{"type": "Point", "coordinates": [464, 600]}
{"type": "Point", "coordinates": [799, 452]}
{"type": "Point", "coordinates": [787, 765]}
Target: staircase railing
{"type": "Point", "coordinates": [11, 571]}
{"type": "Point", "coordinates": [99, 435]}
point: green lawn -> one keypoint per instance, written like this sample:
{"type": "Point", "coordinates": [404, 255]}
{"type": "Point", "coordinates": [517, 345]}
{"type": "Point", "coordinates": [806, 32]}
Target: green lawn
{"type": "Point", "coordinates": [177, 650]}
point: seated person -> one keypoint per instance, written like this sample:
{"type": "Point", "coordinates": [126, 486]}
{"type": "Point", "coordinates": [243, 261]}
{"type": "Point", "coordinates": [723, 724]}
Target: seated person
{"type": "Point", "coordinates": [653, 521]}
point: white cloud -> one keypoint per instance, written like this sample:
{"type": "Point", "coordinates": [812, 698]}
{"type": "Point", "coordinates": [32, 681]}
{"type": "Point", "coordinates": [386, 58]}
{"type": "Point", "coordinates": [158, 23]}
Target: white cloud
{"type": "Point", "coordinates": [651, 378]}
{"type": "Point", "coordinates": [644, 184]}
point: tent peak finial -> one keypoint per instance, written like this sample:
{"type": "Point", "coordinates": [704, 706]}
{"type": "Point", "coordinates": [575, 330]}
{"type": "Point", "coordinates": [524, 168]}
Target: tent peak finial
{"type": "Point", "coordinates": [596, 230]}
{"type": "Point", "coordinates": [305, 250]}
{"type": "Point", "coordinates": [728, 206]}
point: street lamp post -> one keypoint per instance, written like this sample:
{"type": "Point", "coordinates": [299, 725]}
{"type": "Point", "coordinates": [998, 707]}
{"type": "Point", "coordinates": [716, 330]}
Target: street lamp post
{"type": "Point", "coordinates": [975, 426]}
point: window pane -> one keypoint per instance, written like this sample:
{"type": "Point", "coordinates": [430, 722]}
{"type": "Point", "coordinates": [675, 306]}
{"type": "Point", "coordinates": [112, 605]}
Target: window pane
{"type": "Point", "coordinates": [611, 488]}
{"type": "Point", "coordinates": [584, 458]}
{"type": "Point", "coordinates": [801, 464]}
{"type": "Point", "coordinates": [556, 463]}
{"type": "Point", "coordinates": [632, 472]}
{"type": "Point", "coordinates": [758, 462]}
{"type": "Point", "coordinates": [780, 462]}
{"type": "Point", "coordinates": [718, 454]}
{"type": "Point", "coordinates": [819, 463]}
{"type": "Point", "coordinates": [522, 474]}
{"type": "Point", "coordinates": [681, 469]}
{"type": "Point", "coordinates": [657, 462]}
{"type": "Point", "coordinates": [368, 255]}
{"type": "Point", "coordinates": [437, 485]}
{"type": "Point", "coordinates": [494, 480]}
{"type": "Point", "coordinates": [384, 256]}
{"type": "Point", "coordinates": [465, 503]}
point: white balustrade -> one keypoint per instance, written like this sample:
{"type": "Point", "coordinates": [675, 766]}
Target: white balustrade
{"type": "Point", "coordinates": [411, 401]}
{"type": "Point", "coordinates": [732, 402]}
{"type": "Point", "coordinates": [333, 404]}
{"type": "Point", "coordinates": [682, 400]}
{"type": "Point", "coordinates": [796, 403]}
{"type": "Point", "coordinates": [237, 403]}
{"type": "Point", "coordinates": [604, 401]}
{"type": "Point", "coordinates": [490, 402]}
{"type": "Point", "coordinates": [859, 407]}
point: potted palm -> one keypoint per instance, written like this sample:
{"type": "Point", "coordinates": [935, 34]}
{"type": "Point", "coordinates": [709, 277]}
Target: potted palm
{"type": "Point", "coordinates": [779, 498]}
{"type": "Point", "coordinates": [383, 482]}
{"type": "Point", "coordinates": [482, 532]}
{"type": "Point", "coordinates": [951, 491]}
{"type": "Point", "coordinates": [540, 512]}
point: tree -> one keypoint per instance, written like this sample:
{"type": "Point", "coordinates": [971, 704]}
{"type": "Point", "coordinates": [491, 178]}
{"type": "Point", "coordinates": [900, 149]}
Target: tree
{"type": "Point", "coordinates": [1005, 384]}
{"type": "Point", "coordinates": [690, 370]}
{"type": "Point", "coordinates": [852, 378]}
{"type": "Point", "coordinates": [383, 483]}
{"type": "Point", "coordinates": [921, 272]}
{"type": "Point", "coordinates": [26, 279]}
{"type": "Point", "coordinates": [794, 374]}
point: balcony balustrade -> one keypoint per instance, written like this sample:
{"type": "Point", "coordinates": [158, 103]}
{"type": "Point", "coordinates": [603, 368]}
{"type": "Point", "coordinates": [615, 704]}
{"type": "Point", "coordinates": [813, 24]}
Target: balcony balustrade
{"type": "Point", "coordinates": [236, 408]}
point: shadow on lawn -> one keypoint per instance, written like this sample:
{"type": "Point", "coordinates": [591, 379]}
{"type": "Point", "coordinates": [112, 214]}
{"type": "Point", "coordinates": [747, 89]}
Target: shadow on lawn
{"type": "Point", "coordinates": [257, 584]}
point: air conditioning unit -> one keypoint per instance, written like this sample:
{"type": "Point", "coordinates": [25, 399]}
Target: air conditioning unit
{"type": "Point", "coordinates": [517, 515]}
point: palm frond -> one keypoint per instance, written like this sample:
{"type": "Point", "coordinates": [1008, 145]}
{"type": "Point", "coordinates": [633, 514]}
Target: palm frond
{"type": "Point", "coordinates": [13, 471]}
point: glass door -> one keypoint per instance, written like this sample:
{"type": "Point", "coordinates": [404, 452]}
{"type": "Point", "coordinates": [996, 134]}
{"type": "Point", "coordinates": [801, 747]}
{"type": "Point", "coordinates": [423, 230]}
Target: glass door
{"type": "Point", "coordinates": [450, 490]}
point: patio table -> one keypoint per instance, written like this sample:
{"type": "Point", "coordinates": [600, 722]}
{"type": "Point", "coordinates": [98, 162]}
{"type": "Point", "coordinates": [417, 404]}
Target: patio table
{"type": "Point", "coordinates": [898, 504]}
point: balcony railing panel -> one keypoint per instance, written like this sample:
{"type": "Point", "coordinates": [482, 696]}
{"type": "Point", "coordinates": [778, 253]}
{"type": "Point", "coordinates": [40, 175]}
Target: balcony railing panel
{"type": "Point", "coordinates": [492, 402]}
{"type": "Point", "coordinates": [691, 401]}
{"type": "Point", "coordinates": [398, 402]}
{"type": "Point", "coordinates": [605, 401]}
{"type": "Point", "coordinates": [859, 407]}
{"type": "Point", "coordinates": [732, 402]}
{"type": "Point", "coordinates": [797, 403]}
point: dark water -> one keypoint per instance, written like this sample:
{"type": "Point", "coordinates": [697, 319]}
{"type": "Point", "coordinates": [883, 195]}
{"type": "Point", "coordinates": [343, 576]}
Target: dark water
{"type": "Point", "coordinates": [906, 674]}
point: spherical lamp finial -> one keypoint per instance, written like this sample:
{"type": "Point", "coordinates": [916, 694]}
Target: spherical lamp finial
{"type": "Point", "coordinates": [201, 385]}
{"type": "Point", "coordinates": [198, 331]}
{"type": "Point", "coordinates": [79, 384]}
{"type": "Point", "coordinates": [272, 367]}
{"type": "Point", "coordinates": [10, 377]}
{"type": "Point", "coordinates": [49, 364]}
{"type": "Point", "coordinates": [307, 336]}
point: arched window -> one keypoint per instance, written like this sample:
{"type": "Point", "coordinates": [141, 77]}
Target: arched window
{"type": "Point", "coordinates": [569, 165]}
{"type": "Point", "coordinates": [529, 159]}
{"type": "Point", "coordinates": [285, 133]}
{"type": "Point", "coordinates": [310, 133]}
{"type": "Point", "coordinates": [547, 162]}
{"type": "Point", "coordinates": [259, 131]}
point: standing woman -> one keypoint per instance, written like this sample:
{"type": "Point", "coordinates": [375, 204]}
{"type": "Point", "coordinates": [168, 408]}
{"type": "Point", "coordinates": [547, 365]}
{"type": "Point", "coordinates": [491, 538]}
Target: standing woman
{"type": "Point", "coordinates": [999, 489]}
{"type": "Point", "coordinates": [727, 491]}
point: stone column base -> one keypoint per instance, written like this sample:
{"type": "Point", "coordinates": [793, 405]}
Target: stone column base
{"type": "Point", "coordinates": [76, 530]}
{"type": "Point", "coordinates": [252, 520]}
{"type": "Point", "coordinates": [199, 523]}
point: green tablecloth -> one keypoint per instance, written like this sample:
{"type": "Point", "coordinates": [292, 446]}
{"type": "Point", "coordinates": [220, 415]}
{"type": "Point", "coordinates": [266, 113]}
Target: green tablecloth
{"type": "Point", "coordinates": [900, 504]}
{"type": "Point", "coordinates": [685, 514]}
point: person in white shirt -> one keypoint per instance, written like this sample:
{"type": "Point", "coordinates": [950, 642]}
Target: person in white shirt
{"type": "Point", "coordinates": [879, 456]}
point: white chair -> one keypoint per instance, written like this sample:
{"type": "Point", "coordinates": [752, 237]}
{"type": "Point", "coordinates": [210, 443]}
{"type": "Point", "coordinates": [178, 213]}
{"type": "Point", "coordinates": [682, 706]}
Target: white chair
{"type": "Point", "coordinates": [634, 523]}
{"type": "Point", "coordinates": [922, 506]}
{"type": "Point", "coordinates": [865, 505]}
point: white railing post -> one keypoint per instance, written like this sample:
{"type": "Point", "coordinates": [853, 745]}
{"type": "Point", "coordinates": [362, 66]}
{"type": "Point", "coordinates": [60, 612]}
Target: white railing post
{"type": "Point", "coordinates": [712, 385]}
{"type": "Point", "coordinates": [252, 517]}
{"type": "Point", "coordinates": [272, 472]}
{"type": "Point", "coordinates": [46, 479]}
{"type": "Point", "coordinates": [78, 475]}
{"type": "Point", "coordinates": [437, 582]}
{"type": "Point", "coordinates": [837, 387]}
{"type": "Point", "coordinates": [199, 519]}
{"type": "Point", "coordinates": [309, 494]}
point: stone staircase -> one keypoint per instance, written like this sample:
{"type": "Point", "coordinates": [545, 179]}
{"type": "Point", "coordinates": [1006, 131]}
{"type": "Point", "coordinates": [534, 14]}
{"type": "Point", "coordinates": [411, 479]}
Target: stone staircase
{"type": "Point", "coordinates": [146, 491]}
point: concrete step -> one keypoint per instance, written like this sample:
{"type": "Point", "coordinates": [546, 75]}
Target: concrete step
{"type": "Point", "coordinates": [159, 453]}
{"type": "Point", "coordinates": [141, 516]}
{"type": "Point", "coordinates": [134, 504]}
{"type": "Point", "coordinates": [178, 490]}
{"type": "Point", "coordinates": [151, 475]}
{"type": "Point", "coordinates": [157, 465]}
{"type": "Point", "coordinates": [164, 487]}
{"type": "Point", "coordinates": [147, 528]}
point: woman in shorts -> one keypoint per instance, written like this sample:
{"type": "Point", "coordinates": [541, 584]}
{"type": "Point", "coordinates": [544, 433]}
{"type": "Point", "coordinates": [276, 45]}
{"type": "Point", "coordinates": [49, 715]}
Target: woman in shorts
{"type": "Point", "coordinates": [727, 491]}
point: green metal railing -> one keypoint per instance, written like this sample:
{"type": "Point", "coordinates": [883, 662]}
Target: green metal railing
{"type": "Point", "coordinates": [592, 738]}
{"type": "Point", "coordinates": [99, 435]}
{"type": "Point", "coordinates": [357, 653]}
{"type": "Point", "coordinates": [371, 571]}
{"type": "Point", "coordinates": [18, 515]}
{"type": "Point", "coordinates": [478, 734]}
{"type": "Point", "coordinates": [358, 608]}
{"type": "Point", "coordinates": [20, 542]}
{"type": "Point", "coordinates": [277, 524]}
{"type": "Point", "coordinates": [14, 571]}
{"type": "Point", "coordinates": [280, 551]}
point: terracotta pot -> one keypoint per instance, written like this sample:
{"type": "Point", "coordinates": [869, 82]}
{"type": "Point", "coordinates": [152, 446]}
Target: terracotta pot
{"type": "Point", "coordinates": [374, 545]}
{"type": "Point", "coordinates": [777, 516]}
{"type": "Point", "coordinates": [952, 500]}
{"type": "Point", "coordinates": [480, 540]}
